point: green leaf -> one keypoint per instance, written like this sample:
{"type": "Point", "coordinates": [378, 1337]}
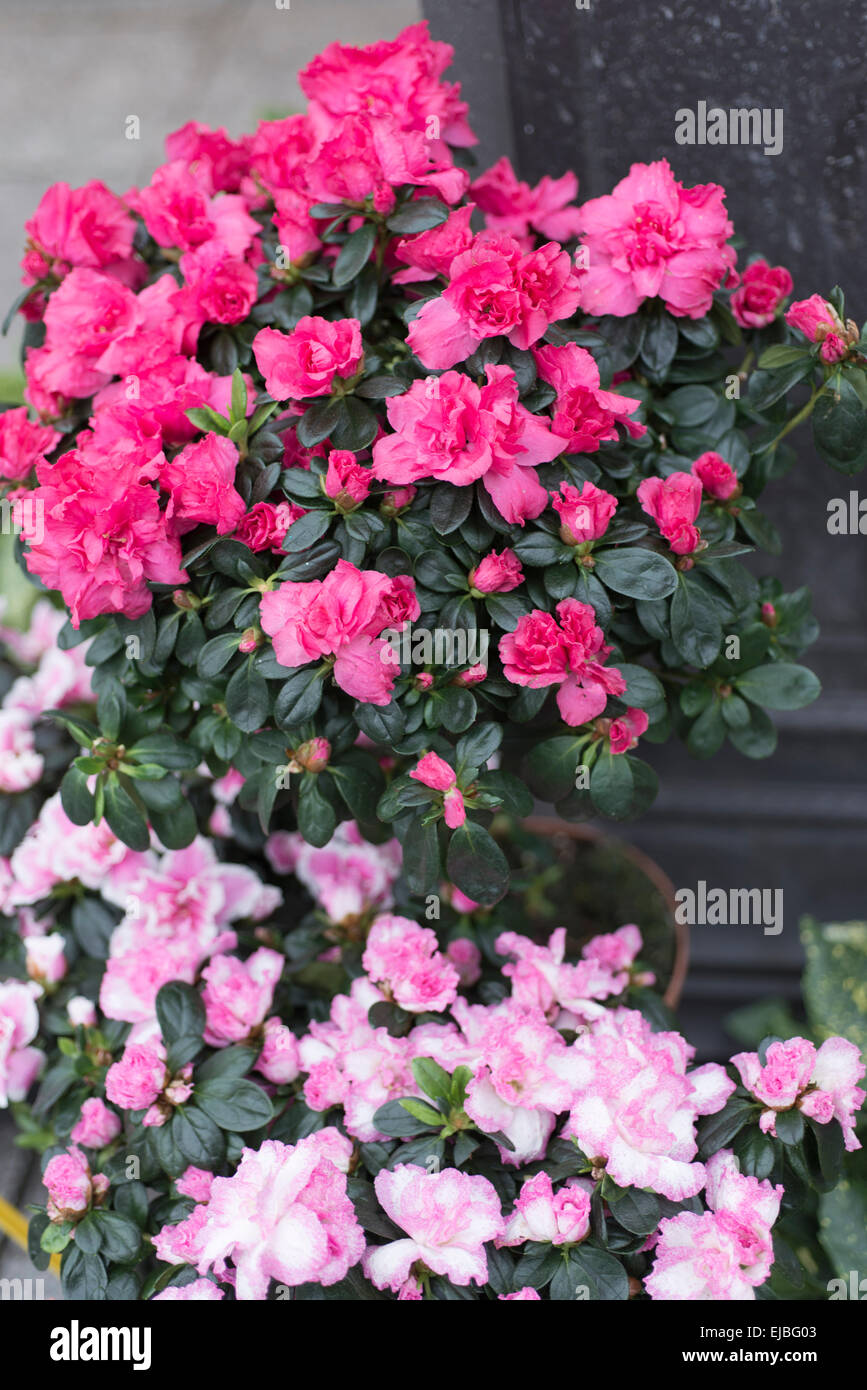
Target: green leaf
{"type": "Point", "coordinates": [298, 698]}
{"type": "Point", "coordinates": [790, 1126]}
{"type": "Point", "coordinates": [421, 857]}
{"type": "Point", "coordinates": [247, 699]}
{"type": "Point", "coordinates": [696, 629]}
{"type": "Point", "coordinates": [304, 532]}
{"type": "Point", "coordinates": [539, 549]}
{"type": "Point", "coordinates": [636, 573]}
{"type": "Point", "coordinates": [833, 981]}
{"type": "Point", "coordinates": [418, 216]}
{"type": "Point", "coordinates": [229, 1061]}
{"type": "Point", "coordinates": [537, 1266]}
{"type": "Point", "coordinates": [83, 1277]}
{"type": "Point", "coordinates": [660, 342]}
{"type": "Point", "coordinates": [317, 819]}
{"type": "Point", "coordinates": [840, 428]}
{"type": "Point", "coordinates": [356, 428]}
{"type": "Point", "coordinates": [93, 924]}
{"type": "Point", "coordinates": [635, 1209]}
{"type": "Point", "coordinates": [75, 798]}
{"type": "Point", "coordinates": [707, 734]}
{"type": "Point", "coordinates": [198, 1137]}
{"type": "Point", "coordinates": [477, 746]}
{"type": "Point", "coordinates": [716, 1132]}
{"type": "Point", "coordinates": [120, 1237]}
{"type": "Point", "coordinates": [551, 767]}
{"type": "Point", "coordinates": [422, 1112]}
{"type": "Point", "coordinates": [398, 1122]}
{"type": "Point", "coordinates": [181, 1016]}
{"type": "Point", "coordinates": [124, 817]}
{"type": "Point", "coordinates": [643, 688]}
{"type": "Point", "coordinates": [233, 1103]}
{"type": "Point", "coordinates": [477, 865]}
{"type": "Point", "coordinates": [604, 1276]}
{"type": "Point", "coordinates": [781, 356]}
{"type": "Point", "coordinates": [354, 254]}
{"type": "Point", "coordinates": [843, 1226]}
{"type": "Point", "coordinates": [431, 1078]}
{"type": "Point", "coordinates": [166, 749]}
{"type": "Point", "coordinates": [779, 685]}
{"type": "Point", "coordinates": [318, 421]}
{"type": "Point", "coordinates": [611, 785]}
{"type": "Point", "coordinates": [216, 654]}
{"type": "Point", "coordinates": [175, 825]}
{"type": "Point", "coordinates": [207, 420]}
{"type": "Point", "coordinates": [239, 397]}
{"type": "Point", "coordinates": [449, 507]}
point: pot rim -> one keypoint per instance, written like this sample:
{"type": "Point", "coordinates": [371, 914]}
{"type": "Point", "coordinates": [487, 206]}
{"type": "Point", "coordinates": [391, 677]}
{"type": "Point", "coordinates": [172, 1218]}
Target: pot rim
{"type": "Point", "coordinates": [553, 825]}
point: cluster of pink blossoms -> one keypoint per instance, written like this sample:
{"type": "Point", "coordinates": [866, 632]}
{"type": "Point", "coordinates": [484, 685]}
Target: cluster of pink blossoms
{"type": "Point", "coordinates": [820, 1083]}
{"type": "Point", "coordinates": [348, 877]}
{"type": "Point", "coordinates": [568, 651]}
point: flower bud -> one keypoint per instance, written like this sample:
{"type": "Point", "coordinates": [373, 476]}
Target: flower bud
{"type": "Point", "coordinates": [313, 756]}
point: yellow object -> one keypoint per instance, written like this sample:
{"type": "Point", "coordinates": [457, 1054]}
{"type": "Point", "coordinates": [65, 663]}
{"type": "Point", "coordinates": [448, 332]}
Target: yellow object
{"type": "Point", "coordinates": [13, 1223]}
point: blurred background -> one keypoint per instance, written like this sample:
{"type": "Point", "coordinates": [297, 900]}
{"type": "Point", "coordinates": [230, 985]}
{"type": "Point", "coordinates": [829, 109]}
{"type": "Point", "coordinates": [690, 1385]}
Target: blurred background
{"type": "Point", "coordinates": [556, 86]}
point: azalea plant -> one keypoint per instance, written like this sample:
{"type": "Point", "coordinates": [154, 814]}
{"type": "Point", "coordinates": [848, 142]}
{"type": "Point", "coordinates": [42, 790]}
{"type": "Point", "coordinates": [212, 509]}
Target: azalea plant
{"type": "Point", "coordinates": [377, 497]}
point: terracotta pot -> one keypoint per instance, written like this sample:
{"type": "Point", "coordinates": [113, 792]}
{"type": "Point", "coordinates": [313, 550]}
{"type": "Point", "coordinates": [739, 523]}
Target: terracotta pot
{"type": "Point", "coordinates": [554, 829]}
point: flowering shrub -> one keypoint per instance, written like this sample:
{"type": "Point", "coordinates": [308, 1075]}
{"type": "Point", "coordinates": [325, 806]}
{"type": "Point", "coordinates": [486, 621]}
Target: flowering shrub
{"type": "Point", "coordinates": [345, 467]}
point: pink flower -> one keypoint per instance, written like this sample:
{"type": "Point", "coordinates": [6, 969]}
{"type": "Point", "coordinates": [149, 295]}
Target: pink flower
{"type": "Point", "coordinates": [347, 482]}
{"type": "Point", "coordinates": [399, 76]}
{"type": "Point", "coordinates": [512, 206]}
{"type": "Point", "coordinates": [195, 1183]}
{"type": "Point", "coordinates": [652, 237]}
{"type": "Point", "coordinates": [540, 1214]}
{"type": "Point", "coordinates": [834, 348]}
{"type": "Point", "coordinates": [448, 1217]}
{"type": "Point", "coordinates": [278, 1061]}
{"type": "Point", "coordinates": [815, 318]}
{"type": "Point", "coordinates": [521, 1076]}
{"type": "Point", "coordinates": [70, 1186]}
{"type": "Point", "coordinates": [45, 957]}
{"type": "Point", "coordinates": [431, 253]}
{"type": "Point", "coordinates": [181, 1243]}
{"type": "Point", "coordinates": [137, 1079]}
{"type": "Point", "coordinates": [179, 210]}
{"type": "Point", "coordinates": [238, 994]}
{"type": "Point", "coordinates": [227, 160]}
{"type": "Point", "coordinates": [86, 226]}
{"type": "Point", "coordinates": [20, 764]}
{"type": "Point", "coordinates": [464, 955]}
{"type": "Point", "coordinates": [584, 414]}
{"type": "Point", "coordinates": [404, 959]}
{"type": "Point", "coordinates": [23, 444]}
{"type": "Point", "coordinates": [346, 877]}
{"type": "Point", "coordinates": [493, 289]}
{"type": "Point", "coordinates": [526, 1295]}
{"type": "Point", "coordinates": [295, 227]}
{"type": "Point", "coordinates": [635, 1104]}
{"type": "Point", "coordinates": [104, 537]}
{"type": "Point", "coordinates": [81, 1012]}
{"type": "Point", "coordinates": [83, 317]}
{"type": "Point", "coordinates": [723, 1253]}
{"type": "Point", "coordinates": [198, 1290]}
{"type": "Point", "coordinates": [96, 1126]}
{"type": "Point", "coordinates": [497, 574]}
{"type": "Point", "coordinates": [362, 157]}
{"type": "Point", "coordinates": [433, 771]}
{"type": "Point", "coordinates": [20, 1063]}
{"type": "Point", "coordinates": [133, 977]}
{"type": "Point", "coordinates": [541, 979]}
{"type": "Point", "coordinates": [342, 616]}
{"type": "Point", "coordinates": [762, 290]}
{"type": "Point", "coordinates": [222, 287]}
{"type": "Point", "coordinates": [456, 432]}
{"type": "Point", "coordinates": [717, 477]}
{"type": "Point", "coordinates": [821, 1083]}
{"type": "Point", "coordinates": [284, 1215]}
{"type": "Point", "coordinates": [200, 483]}
{"type": "Point", "coordinates": [265, 525]}
{"type": "Point", "coordinates": [570, 655]}
{"type": "Point", "coordinates": [313, 755]}
{"type": "Point", "coordinates": [674, 503]}
{"type": "Point", "coordinates": [307, 361]}
{"type": "Point", "coordinates": [625, 731]}
{"type": "Point", "coordinates": [584, 512]}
